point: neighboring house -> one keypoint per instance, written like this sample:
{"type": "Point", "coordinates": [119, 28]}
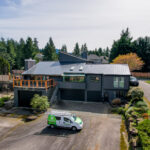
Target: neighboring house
{"type": "Point", "coordinates": [75, 79]}
{"type": "Point", "coordinates": [92, 58]}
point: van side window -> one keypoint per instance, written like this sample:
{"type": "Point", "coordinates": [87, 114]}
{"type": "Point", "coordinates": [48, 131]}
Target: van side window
{"type": "Point", "coordinates": [67, 120]}
{"type": "Point", "coordinates": [58, 118]}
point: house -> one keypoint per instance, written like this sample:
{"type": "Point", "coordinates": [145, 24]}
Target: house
{"type": "Point", "coordinates": [97, 59]}
{"type": "Point", "coordinates": [72, 78]}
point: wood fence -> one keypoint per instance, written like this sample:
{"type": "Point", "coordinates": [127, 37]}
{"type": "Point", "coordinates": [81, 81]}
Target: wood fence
{"type": "Point", "coordinates": [145, 75]}
{"type": "Point", "coordinates": [4, 78]}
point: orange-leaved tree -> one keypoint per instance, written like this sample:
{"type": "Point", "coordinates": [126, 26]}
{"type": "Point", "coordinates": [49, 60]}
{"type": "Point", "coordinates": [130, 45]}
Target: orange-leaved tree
{"type": "Point", "coordinates": [134, 62]}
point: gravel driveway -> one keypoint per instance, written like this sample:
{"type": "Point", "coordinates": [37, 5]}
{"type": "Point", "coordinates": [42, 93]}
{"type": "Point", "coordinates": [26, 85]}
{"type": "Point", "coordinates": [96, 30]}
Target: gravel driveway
{"type": "Point", "coordinates": [101, 131]}
{"type": "Point", "coordinates": [146, 89]}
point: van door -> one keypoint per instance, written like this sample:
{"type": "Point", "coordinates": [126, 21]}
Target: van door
{"type": "Point", "coordinates": [58, 121]}
{"type": "Point", "coordinates": [67, 122]}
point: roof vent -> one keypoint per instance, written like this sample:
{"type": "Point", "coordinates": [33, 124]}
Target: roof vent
{"type": "Point", "coordinates": [72, 68]}
{"type": "Point", "coordinates": [81, 68]}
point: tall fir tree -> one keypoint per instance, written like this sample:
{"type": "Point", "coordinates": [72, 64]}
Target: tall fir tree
{"type": "Point", "coordinates": [122, 46]}
{"type": "Point", "coordinates": [49, 51]}
{"type": "Point", "coordinates": [76, 50]}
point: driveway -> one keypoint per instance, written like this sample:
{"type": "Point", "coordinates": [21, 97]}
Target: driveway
{"type": "Point", "coordinates": [101, 131]}
{"type": "Point", "coordinates": [146, 89]}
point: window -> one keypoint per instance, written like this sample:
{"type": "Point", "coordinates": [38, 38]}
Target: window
{"type": "Point", "coordinates": [118, 82]}
{"type": "Point", "coordinates": [121, 82]}
{"type": "Point", "coordinates": [67, 120]}
{"type": "Point", "coordinates": [94, 78]}
{"type": "Point", "coordinates": [120, 94]}
{"type": "Point", "coordinates": [58, 118]}
{"type": "Point", "coordinates": [73, 78]}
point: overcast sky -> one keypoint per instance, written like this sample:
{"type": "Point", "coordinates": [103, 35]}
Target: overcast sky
{"type": "Point", "coordinates": [95, 22]}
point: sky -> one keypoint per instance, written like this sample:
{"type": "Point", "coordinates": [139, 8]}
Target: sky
{"type": "Point", "coordinates": [95, 22]}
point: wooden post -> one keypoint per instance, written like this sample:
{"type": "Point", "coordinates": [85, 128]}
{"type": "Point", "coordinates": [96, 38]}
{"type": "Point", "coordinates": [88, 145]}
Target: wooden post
{"type": "Point", "coordinates": [36, 83]}
{"type": "Point", "coordinates": [46, 84]}
{"type": "Point", "coordinates": [13, 82]}
{"type": "Point", "coordinates": [28, 83]}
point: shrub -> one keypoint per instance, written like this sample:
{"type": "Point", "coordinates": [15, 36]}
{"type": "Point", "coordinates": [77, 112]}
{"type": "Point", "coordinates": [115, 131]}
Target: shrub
{"type": "Point", "coordinates": [40, 103]}
{"type": "Point", "coordinates": [140, 104]}
{"type": "Point", "coordinates": [119, 110]}
{"type": "Point", "coordinates": [1, 102]}
{"type": "Point", "coordinates": [116, 101]}
{"type": "Point", "coordinates": [144, 134]}
{"type": "Point", "coordinates": [135, 93]}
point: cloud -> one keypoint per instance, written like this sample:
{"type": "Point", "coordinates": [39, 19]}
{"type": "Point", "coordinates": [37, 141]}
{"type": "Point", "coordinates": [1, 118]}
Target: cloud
{"type": "Point", "coordinates": [96, 22]}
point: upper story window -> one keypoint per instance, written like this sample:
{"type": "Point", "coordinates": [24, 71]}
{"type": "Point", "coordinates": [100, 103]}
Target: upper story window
{"type": "Point", "coordinates": [118, 82]}
{"type": "Point", "coordinates": [73, 78]}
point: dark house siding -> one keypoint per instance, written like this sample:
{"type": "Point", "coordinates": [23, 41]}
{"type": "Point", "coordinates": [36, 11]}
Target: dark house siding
{"type": "Point", "coordinates": [68, 94]}
{"type": "Point", "coordinates": [108, 82]}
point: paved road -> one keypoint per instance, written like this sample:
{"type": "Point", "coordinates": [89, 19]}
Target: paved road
{"type": "Point", "coordinates": [101, 132]}
{"type": "Point", "coordinates": [146, 89]}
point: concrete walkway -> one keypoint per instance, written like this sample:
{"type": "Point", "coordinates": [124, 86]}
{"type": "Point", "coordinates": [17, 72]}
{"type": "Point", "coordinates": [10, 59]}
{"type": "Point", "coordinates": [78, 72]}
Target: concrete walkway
{"type": "Point", "coordinates": [146, 89]}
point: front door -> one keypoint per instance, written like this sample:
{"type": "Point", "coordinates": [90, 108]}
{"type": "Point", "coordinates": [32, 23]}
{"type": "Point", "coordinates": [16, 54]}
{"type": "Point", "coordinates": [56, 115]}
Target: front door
{"type": "Point", "coordinates": [66, 122]}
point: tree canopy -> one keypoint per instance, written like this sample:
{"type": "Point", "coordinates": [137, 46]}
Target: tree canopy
{"type": "Point", "coordinates": [134, 62]}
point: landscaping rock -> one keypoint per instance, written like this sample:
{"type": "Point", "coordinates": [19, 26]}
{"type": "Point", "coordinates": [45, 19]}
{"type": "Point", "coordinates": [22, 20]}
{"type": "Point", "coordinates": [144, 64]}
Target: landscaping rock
{"type": "Point", "coordinates": [8, 105]}
{"type": "Point", "coordinates": [30, 118]}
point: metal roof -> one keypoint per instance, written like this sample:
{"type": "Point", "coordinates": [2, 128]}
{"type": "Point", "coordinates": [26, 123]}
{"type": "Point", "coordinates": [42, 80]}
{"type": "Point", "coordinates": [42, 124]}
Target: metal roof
{"type": "Point", "coordinates": [55, 68]}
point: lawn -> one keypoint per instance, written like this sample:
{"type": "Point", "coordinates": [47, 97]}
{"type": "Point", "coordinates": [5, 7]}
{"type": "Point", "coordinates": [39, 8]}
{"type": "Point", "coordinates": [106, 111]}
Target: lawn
{"type": "Point", "coordinates": [148, 81]}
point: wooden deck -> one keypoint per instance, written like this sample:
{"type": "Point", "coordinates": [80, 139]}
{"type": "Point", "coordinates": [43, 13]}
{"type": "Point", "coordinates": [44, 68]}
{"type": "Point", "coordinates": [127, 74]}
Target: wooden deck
{"type": "Point", "coordinates": [34, 83]}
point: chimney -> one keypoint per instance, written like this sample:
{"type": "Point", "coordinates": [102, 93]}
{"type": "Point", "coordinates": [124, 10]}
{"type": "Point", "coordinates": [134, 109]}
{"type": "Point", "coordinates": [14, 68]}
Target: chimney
{"type": "Point", "coordinates": [29, 63]}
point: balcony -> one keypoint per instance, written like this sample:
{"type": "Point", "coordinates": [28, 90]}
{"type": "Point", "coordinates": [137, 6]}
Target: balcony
{"type": "Point", "coordinates": [34, 83]}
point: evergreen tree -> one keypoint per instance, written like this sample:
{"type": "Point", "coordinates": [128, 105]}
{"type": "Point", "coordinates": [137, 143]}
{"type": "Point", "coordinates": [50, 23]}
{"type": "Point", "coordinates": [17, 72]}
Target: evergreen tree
{"type": "Point", "coordinates": [49, 51]}
{"type": "Point", "coordinates": [122, 46]}
{"type": "Point", "coordinates": [142, 49]}
{"type": "Point", "coordinates": [64, 48]}
{"type": "Point", "coordinates": [84, 48]}
{"type": "Point", "coordinates": [76, 50]}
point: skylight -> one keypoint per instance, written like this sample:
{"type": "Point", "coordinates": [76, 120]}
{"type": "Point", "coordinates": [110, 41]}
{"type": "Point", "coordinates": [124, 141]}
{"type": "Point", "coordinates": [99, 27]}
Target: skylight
{"type": "Point", "coordinates": [81, 68]}
{"type": "Point", "coordinates": [72, 68]}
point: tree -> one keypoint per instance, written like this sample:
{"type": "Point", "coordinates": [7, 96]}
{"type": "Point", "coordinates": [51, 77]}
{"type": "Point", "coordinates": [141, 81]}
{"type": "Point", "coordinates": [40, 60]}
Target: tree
{"type": "Point", "coordinates": [40, 103]}
{"type": "Point", "coordinates": [76, 50]}
{"type": "Point", "coordinates": [49, 51]}
{"type": "Point", "coordinates": [122, 46]}
{"type": "Point", "coordinates": [142, 48]}
{"type": "Point", "coordinates": [84, 48]}
{"type": "Point", "coordinates": [134, 62]}
{"type": "Point", "coordinates": [64, 48]}
{"type": "Point", "coordinates": [4, 66]}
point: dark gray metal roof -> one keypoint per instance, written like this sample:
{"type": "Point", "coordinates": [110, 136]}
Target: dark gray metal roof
{"type": "Point", "coordinates": [55, 68]}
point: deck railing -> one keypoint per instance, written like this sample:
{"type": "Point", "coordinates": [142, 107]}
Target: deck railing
{"type": "Point", "coordinates": [34, 83]}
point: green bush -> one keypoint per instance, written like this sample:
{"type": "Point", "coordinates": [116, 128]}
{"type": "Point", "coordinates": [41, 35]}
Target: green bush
{"type": "Point", "coordinates": [135, 94]}
{"type": "Point", "coordinates": [40, 103]}
{"type": "Point", "coordinates": [140, 104]}
{"type": "Point", "coordinates": [144, 134]}
{"type": "Point", "coordinates": [119, 110]}
{"type": "Point", "coordinates": [1, 102]}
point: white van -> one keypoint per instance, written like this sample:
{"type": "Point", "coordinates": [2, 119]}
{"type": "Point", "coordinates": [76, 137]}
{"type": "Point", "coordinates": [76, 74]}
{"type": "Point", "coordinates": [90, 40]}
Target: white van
{"type": "Point", "coordinates": [64, 120]}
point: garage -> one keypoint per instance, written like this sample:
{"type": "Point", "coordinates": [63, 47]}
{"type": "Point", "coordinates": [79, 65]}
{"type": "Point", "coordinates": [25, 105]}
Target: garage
{"type": "Point", "coordinates": [68, 94]}
{"type": "Point", "coordinates": [94, 96]}
{"type": "Point", "coordinates": [24, 97]}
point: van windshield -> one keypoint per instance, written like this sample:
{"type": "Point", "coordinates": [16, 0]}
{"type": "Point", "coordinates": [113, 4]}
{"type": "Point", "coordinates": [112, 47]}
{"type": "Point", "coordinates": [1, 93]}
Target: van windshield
{"type": "Point", "coordinates": [74, 117]}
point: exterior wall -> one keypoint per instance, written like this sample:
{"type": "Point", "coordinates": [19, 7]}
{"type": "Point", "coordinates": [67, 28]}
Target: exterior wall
{"type": "Point", "coordinates": [108, 82]}
{"type": "Point", "coordinates": [93, 86]}
{"type": "Point", "coordinates": [71, 85]}
{"type": "Point", "coordinates": [17, 90]}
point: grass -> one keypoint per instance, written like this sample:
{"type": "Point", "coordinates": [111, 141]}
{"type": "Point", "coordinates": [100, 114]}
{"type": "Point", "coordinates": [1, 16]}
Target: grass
{"type": "Point", "coordinates": [123, 137]}
{"type": "Point", "coordinates": [147, 81]}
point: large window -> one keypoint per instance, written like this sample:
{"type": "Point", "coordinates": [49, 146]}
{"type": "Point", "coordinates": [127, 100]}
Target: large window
{"type": "Point", "coordinates": [118, 82]}
{"type": "Point", "coordinates": [73, 78]}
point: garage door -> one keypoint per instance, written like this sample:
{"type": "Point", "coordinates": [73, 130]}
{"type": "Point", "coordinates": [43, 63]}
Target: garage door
{"type": "Point", "coordinates": [24, 97]}
{"type": "Point", "coordinates": [77, 95]}
{"type": "Point", "coordinates": [94, 96]}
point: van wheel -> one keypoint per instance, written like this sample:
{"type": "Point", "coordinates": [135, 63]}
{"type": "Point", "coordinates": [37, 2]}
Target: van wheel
{"type": "Point", "coordinates": [52, 126]}
{"type": "Point", "coordinates": [74, 128]}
